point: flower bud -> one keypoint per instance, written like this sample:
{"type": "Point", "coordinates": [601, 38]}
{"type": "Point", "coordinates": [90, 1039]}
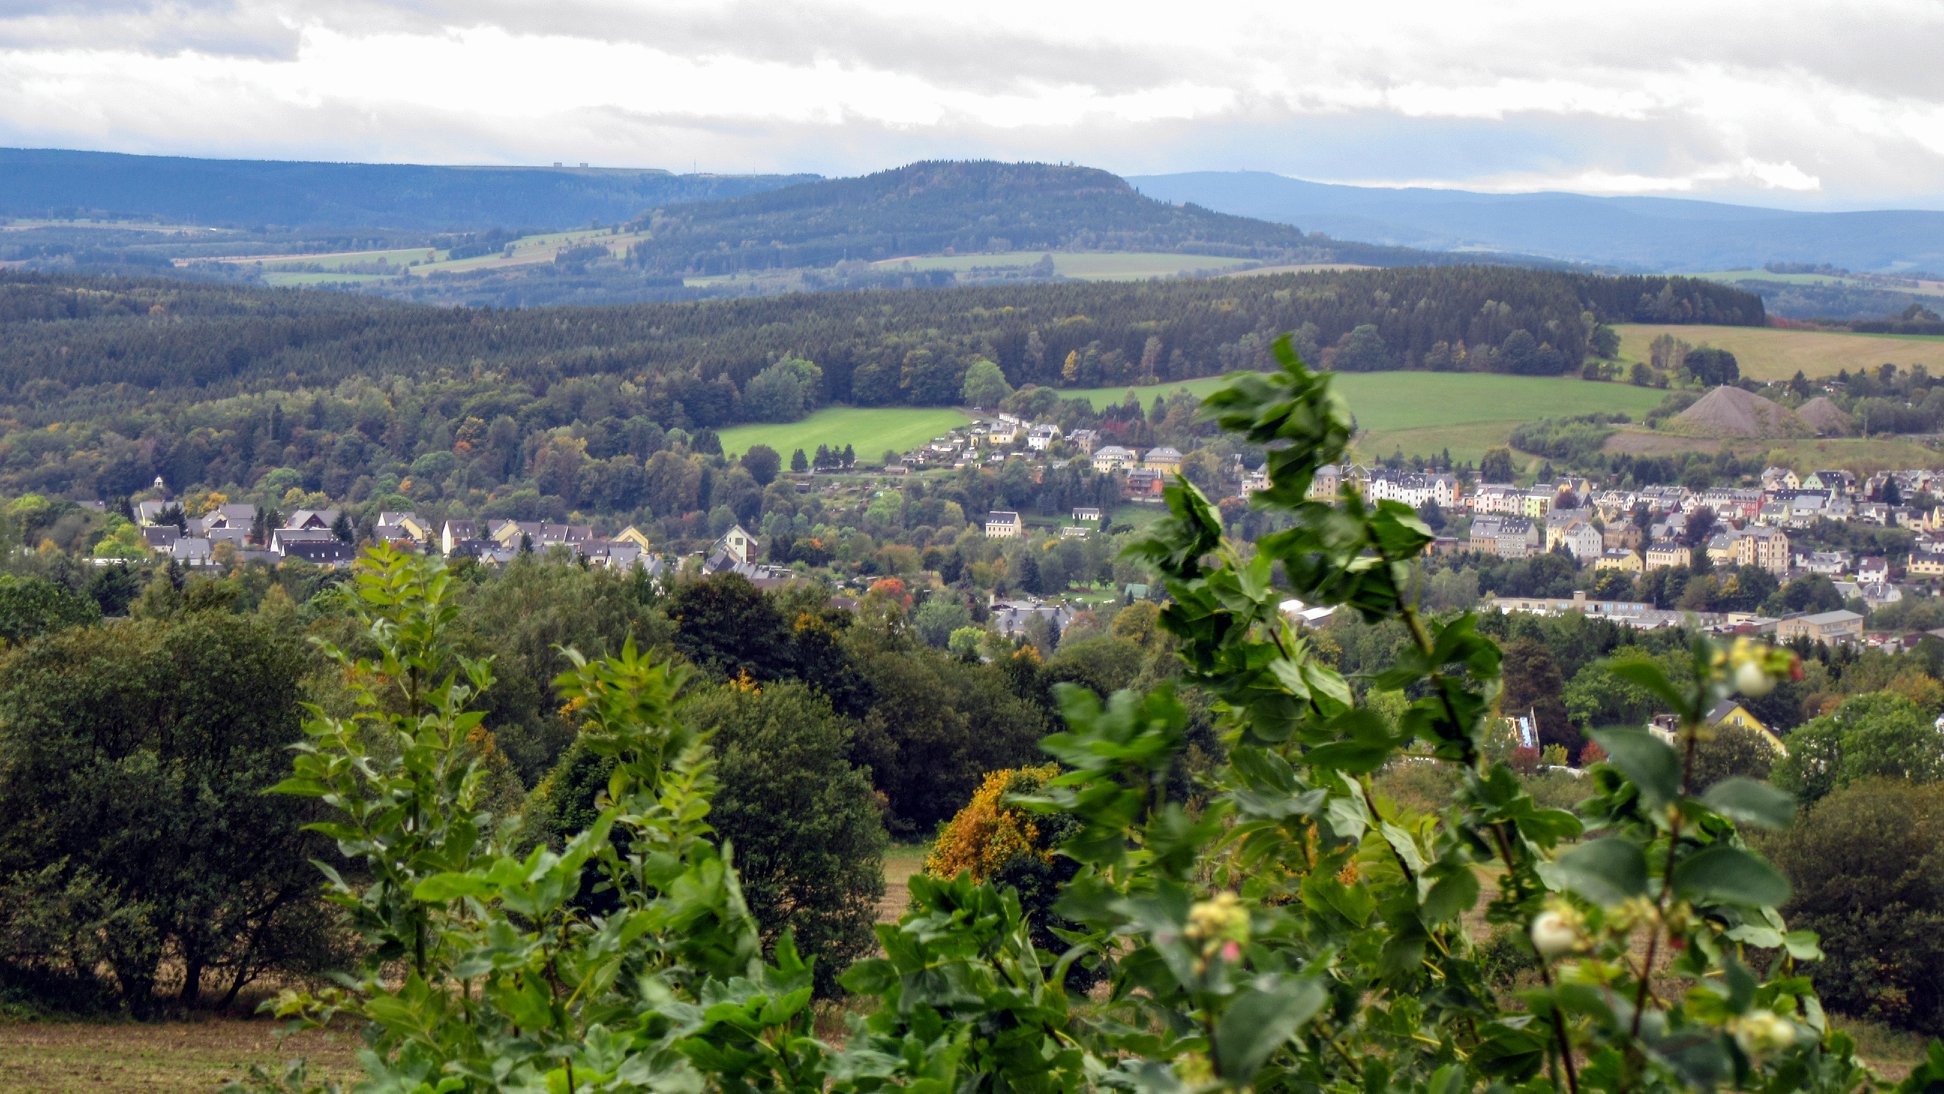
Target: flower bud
{"type": "Point", "coordinates": [1752, 680]}
{"type": "Point", "coordinates": [1555, 932]}
{"type": "Point", "coordinates": [1762, 1032]}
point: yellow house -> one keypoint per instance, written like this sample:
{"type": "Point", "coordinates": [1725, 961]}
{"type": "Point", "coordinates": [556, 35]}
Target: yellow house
{"type": "Point", "coordinates": [633, 535]}
{"type": "Point", "coordinates": [1621, 559]}
{"type": "Point", "coordinates": [1725, 713]}
{"type": "Point", "coordinates": [1730, 713]}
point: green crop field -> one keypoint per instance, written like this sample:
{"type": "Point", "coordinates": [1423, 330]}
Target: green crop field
{"type": "Point", "coordinates": [869, 430]}
{"type": "Point", "coordinates": [1769, 353]}
{"type": "Point", "coordinates": [1086, 265]}
{"type": "Point", "coordinates": [1428, 412]}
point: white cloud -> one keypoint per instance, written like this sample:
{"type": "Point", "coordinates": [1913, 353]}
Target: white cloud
{"type": "Point", "coordinates": [1734, 97]}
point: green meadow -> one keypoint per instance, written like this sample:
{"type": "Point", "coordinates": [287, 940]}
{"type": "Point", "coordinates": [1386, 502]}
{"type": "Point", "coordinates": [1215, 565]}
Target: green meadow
{"type": "Point", "coordinates": [1429, 412]}
{"type": "Point", "coordinates": [869, 430]}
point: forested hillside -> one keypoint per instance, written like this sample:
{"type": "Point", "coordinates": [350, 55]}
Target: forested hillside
{"type": "Point", "coordinates": [106, 383]}
{"type": "Point", "coordinates": [939, 207]}
{"type": "Point", "coordinates": [342, 196]}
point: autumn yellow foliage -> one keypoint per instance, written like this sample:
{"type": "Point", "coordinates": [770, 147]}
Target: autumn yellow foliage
{"type": "Point", "coordinates": [988, 833]}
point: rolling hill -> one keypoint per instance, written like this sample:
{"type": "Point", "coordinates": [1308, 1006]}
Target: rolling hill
{"type": "Point", "coordinates": [1636, 232]}
{"type": "Point", "coordinates": [944, 208]}
{"type": "Point", "coordinates": [59, 184]}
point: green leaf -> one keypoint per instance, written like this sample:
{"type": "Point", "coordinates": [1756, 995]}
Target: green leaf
{"type": "Point", "coordinates": [444, 888]}
{"type": "Point", "coordinates": [1730, 875]}
{"type": "Point", "coordinates": [1646, 760]}
{"type": "Point", "coordinates": [1749, 802]}
{"type": "Point", "coordinates": [1259, 1021]}
{"type": "Point", "coordinates": [1648, 675]}
{"type": "Point", "coordinates": [1604, 871]}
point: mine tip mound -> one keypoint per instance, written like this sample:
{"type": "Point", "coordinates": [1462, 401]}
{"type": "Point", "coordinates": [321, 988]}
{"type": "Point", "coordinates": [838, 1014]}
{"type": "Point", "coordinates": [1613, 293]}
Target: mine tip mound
{"type": "Point", "coordinates": [1732, 412]}
{"type": "Point", "coordinates": [1825, 417]}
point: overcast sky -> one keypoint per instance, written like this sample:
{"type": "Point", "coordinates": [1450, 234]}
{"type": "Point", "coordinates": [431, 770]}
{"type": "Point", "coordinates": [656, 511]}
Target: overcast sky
{"type": "Point", "coordinates": [1812, 105]}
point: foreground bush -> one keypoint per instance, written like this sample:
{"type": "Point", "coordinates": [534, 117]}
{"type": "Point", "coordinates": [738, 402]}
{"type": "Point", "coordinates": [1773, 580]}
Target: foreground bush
{"type": "Point", "coordinates": [1277, 932]}
{"type": "Point", "coordinates": [141, 850]}
{"type": "Point", "coordinates": [1867, 863]}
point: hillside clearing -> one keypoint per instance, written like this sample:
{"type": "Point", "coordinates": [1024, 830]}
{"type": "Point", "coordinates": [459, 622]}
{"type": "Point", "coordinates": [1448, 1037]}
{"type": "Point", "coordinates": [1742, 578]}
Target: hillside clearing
{"type": "Point", "coordinates": [869, 430]}
{"type": "Point", "coordinates": [1769, 353]}
{"type": "Point", "coordinates": [1426, 413]}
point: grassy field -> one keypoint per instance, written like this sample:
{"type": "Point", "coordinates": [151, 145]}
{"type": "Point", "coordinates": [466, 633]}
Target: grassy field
{"type": "Point", "coordinates": [198, 1055]}
{"type": "Point", "coordinates": [1922, 288]}
{"type": "Point", "coordinates": [1087, 266]}
{"type": "Point", "coordinates": [400, 258]}
{"type": "Point", "coordinates": [870, 430]}
{"type": "Point", "coordinates": [1428, 412]}
{"type": "Point", "coordinates": [901, 861]}
{"type": "Point", "coordinates": [1766, 353]}
{"type": "Point", "coordinates": [527, 250]}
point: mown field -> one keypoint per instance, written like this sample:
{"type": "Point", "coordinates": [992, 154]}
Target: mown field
{"type": "Point", "coordinates": [197, 1055]}
{"type": "Point", "coordinates": [1767, 353]}
{"type": "Point", "coordinates": [526, 251]}
{"type": "Point", "coordinates": [1087, 266]}
{"type": "Point", "coordinates": [869, 430]}
{"type": "Point", "coordinates": [1429, 412]}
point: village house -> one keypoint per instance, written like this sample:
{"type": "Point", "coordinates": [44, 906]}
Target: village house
{"type": "Point", "coordinates": [1087, 513]}
{"type": "Point", "coordinates": [1324, 485]}
{"type": "Point", "coordinates": [1144, 484]}
{"type": "Point", "coordinates": [1112, 458]}
{"type": "Point", "coordinates": [1163, 459]}
{"type": "Point", "coordinates": [1619, 558]}
{"type": "Point", "coordinates": [1832, 627]}
{"type": "Point", "coordinates": [1826, 563]}
{"type": "Point", "coordinates": [1666, 553]}
{"type": "Point", "coordinates": [1506, 537]}
{"type": "Point", "coordinates": [1004, 524]}
{"type": "Point", "coordinates": [1761, 547]}
{"type": "Point", "coordinates": [1926, 561]}
{"type": "Point", "coordinates": [1041, 437]}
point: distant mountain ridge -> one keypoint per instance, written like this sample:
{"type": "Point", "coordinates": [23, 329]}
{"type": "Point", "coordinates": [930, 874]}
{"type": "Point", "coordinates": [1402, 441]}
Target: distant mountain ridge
{"type": "Point", "coordinates": [54, 183]}
{"type": "Point", "coordinates": [1643, 233]}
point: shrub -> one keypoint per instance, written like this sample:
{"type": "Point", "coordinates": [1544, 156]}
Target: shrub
{"type": "Point", "coordinates": [1592, 754]}
{"type": "Point", "coordinates": [1867, 863]}
{"type": "Point", "coordinates": [1524, 760]}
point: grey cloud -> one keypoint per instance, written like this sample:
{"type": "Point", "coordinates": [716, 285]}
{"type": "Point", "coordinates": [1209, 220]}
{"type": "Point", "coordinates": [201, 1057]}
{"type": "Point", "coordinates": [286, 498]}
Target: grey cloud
{"type": "Point", "coordinates": [983, 58]}
{"type": "Point", "coordinates": [156, 27]}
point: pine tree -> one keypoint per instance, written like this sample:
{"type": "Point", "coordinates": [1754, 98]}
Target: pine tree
{"type": "Point", "coordinates": [798, 463]}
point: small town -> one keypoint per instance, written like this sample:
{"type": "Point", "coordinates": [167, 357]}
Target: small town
{"type": "Point", "coordinates": [1781, 525]}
